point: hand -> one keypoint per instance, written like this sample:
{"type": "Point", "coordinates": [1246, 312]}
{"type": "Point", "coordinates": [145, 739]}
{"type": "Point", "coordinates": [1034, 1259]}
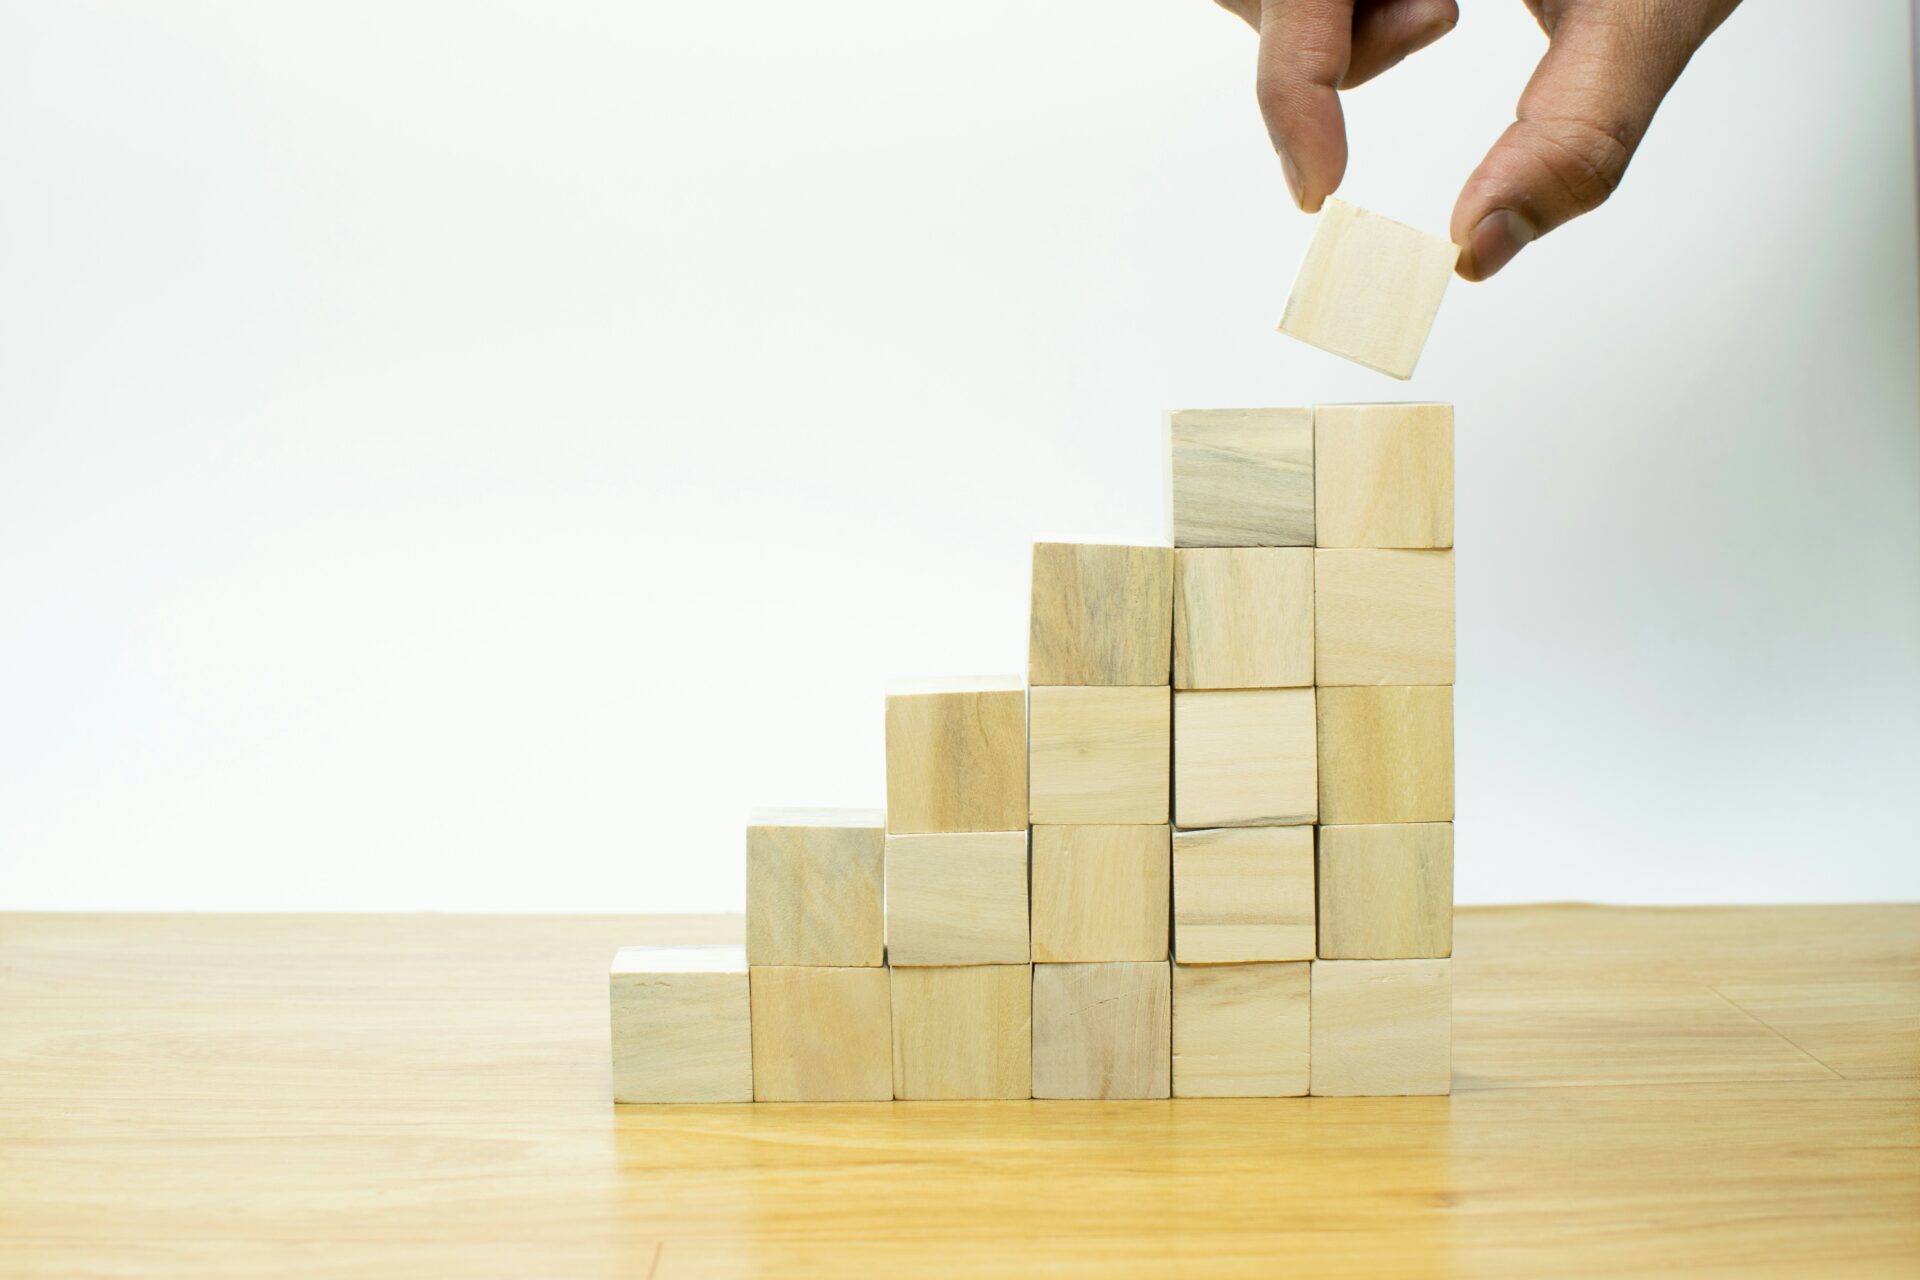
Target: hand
{"type": "Point", "coordinates": [1608, 65]}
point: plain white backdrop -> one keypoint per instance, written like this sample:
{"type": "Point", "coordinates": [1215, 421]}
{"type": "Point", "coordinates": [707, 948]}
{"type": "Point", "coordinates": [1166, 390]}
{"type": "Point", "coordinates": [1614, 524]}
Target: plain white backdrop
{"type": "Point", "coordinates": [462, 456]}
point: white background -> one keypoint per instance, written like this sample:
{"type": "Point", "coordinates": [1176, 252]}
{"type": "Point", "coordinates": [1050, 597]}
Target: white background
{"type": "Point", "coordinates": [462, 456]}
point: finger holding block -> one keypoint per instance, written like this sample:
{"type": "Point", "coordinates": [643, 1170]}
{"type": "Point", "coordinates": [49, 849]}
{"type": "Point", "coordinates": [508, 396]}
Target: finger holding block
{"type": "Point", "coordinates": [1243, 618]}
{"type": "Point", "coordinates": [1383, 617]}
{"type": "Point", "coordinates": [1100, 756]}
{"type": "Point", "coordinates": [1101, 1031]}
{"type": "Point", "coordinates": [1241, 1030]}
{"type": "Point", "coordinates": [1244, 757]}
{"type": "Point", "coordinates": [1099, 894]}
{"type": "Point", "coordinates": [1386, 754]}
{"type": "Point", "coordinates": [1383, 475]}
{"type": "Point", "coordinates": [821, 1034]}
{"type": "Point", "coordinates": [682, 1025]}
{"type": "Point", "coordinates": [814, 887]}
{"type": "Point", "coordinates": [1369, 289]}
{"type": "Point", "coordinates": [1243, 894]}
{"type": "Point", "coordinates": [1382, 1027]}
{"type": "Point", "coordinates": [963, 1032]}
{"type": "Point", "coordinates": [957, 898]}
{"type": "Point", "coordinates": [1386, 892]}
{"type": "Point", "coordinates": [1241, 477]}
{"type": "Point", "coordinates": [1102, 615]}
{"type": "Point", "coordinates": [957, 755]}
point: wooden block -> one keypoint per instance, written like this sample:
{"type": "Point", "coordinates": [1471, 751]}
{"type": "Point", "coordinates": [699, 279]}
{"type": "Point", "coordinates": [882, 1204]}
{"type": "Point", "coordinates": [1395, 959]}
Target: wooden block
{"type": "Point", "coordinates": [957, 898]}
{"type": "Point", "coordinates": [1102, 615]}
{"type": "Point", "coordinates": [1244, 757]}
{"type": "Point", "coordinates": [814, 887]}
{"type": "Point", "coordinates": [1383, 475]}
{"type": "Point", "coordinates": [821, 1034]}
{"type": "Point", "coordinates": [957, 755]}
{"type": "Point", "coordinates": [1101, 1030]}
{"type": "Point", "coordinates": [963, 1033]}
{"type": "Point", "coordinates": [1383, 617]}
{"type": "Point", "coordinates": [1100, 755]}
{"type": "Point", "coordinates": [1386, 754]}
{"type": "Point", "coordinates": [1241, 477]}
{"type": "Point", "coordinates": [1369, 289]}
{"type": "Point", "coordinates": [1243, 618]}
{"type": "Point", "coordinates": [1241, 1030]}
{"type": "Point", "coordinates": [682, 1025]}
{"type": "Point", "coordinates": [1099, 894]}
{"type": "Point", "coordinates": [1382, 1027]}
{"type": "Point", "coordinates": [1243, 894]}
{"type": "Point", "coordinates": [1386, 892]}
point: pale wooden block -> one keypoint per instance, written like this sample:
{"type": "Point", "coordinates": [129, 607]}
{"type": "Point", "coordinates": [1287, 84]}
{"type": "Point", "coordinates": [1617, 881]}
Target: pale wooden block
{"type": "Point", "coordinates": [682, 1024]}
{"type": "Point", "coordinates": [957, 898]}
{"type": "Point", "coordinates": [1102, 615]}
{"type": "Point", "coordinates": [1100, 755]}
{"type": "Point", "coordinates": [1383, 617]}
{"type": "Point", "coordinates": [1369, 289]}
{"type": "Point", "coordinates": [1099, 893]}
{"type": "Point", "coordinates": [1241, 1030]}
{"type": "Point", "coordinates": [1243, 618]}
{"type": "Point", "coordinates": [1382, 1027]}
{"type": "Point", "coordinates": [822, 1034]}
{"type": "Point", "coordinates": [1101, 1030]}
{"type": "Point", "coordinates": [1386, 754]}
{"type": "Point", "coordinates": [1383, 475]}
{"type": "Point", "coordinates": [1386, 891]}
{"type": "Point", "coordinates": [814, 880]}
{"type": "Point", "coordinates": [1243, 894]}
{"type": "Point", "coordinates": [963, 1033]}
{"type": "Point", "coordinates": [957, 755]}
{"type": "Point", "coordinates": [1244, 757]}
{"type": "Point", "coordinates": [1241, 477]}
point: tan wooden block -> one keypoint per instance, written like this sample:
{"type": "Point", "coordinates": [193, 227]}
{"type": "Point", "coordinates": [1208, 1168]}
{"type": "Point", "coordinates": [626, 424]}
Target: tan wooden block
{"type": "Point", "coordinates": [1243, 894]}
{"type": "Point", "coordinates": [1102, 1030]}
{"type": "Point", "coordinates": [1369, 289]}
{"type": "Point", "coordinates": [957, 898]}
{"type": "Point", "coordinates": [1099, 894]}
{"type": "Point", "coordinates": [963, 1033]}
{"type": "Point", "coordinates": [821, 1034]}
{"type": "Point", "coordinates": [1386, 754]}
{"type": "Point", "coordinates": [814, 880]}
{"type": "Point", "coordinates": [1382, 1027]}
{"type": "Point", "coordinates": [957, 755]}
{"type": "Point", "coordinates": [1386, 892]}
{"type": "Point", "coordinates": [1241, 477]}
{"type": "Point", "coordinates": [1241, 1030]}
{"type": "Point", "coordinates": [1102, 615]}
{"type": "Point", "coordinates": [1243, 618]}
{"type": "Point", "coordinates": [1383, 617]}
{"type": "Point", "coordinates": [1383, 475]}
{"type": "Point", "coordinates": [682, 1025]}
{"type": "Point", "coordinates": [1244, 757]}
{"type": "Point", "coordinates": [1100, 755]}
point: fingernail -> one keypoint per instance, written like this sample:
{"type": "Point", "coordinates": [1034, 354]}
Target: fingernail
{"type": "Point", "coordinates": [1500, 235]}
{"type": "Point", "coordinates": [1292, 174]}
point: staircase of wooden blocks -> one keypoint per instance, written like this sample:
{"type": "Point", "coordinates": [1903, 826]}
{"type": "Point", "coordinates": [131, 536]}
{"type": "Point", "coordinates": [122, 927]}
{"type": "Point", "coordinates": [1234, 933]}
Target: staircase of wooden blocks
{"type": "Point", "coordinates": [1204, 849]}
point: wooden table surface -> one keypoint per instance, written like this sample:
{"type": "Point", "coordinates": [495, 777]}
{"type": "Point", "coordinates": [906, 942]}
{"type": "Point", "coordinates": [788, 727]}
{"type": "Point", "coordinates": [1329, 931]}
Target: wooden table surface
{"type": "Point", "coordinates": [1683, 1092]}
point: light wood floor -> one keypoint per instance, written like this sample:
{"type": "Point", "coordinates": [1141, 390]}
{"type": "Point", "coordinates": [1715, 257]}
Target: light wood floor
{"type": "Point", "coordinates": [1637, 1093]}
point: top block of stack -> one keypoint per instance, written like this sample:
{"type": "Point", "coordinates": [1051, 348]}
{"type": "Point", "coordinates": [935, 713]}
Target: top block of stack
{"type": "Point", "coordinates": [1241, 477]}
{"type": "Point", "coordinates": [957, 755]}
{"type": "Point", "coordinates": [1383, 475]}
{"type": "Point", "coordinates": [1102, 615]}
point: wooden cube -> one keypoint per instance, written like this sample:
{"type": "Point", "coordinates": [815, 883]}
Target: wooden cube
{"type": "Point", "coordinates": [814, 887]}
{"type": "Point", "coordinates": [1102, 615]}
{"type": "Point", "coordinates": [1243, 894]}
{"type": "Point", "coordinates": [1244, 757]}
{"type": "Point", "coordinates": [1099, 894]}
{"type": "Point", "coordinates": [1386, 892]}
{"type": "Point", "coordinates": [1383, 475]}
{"type": "Point", "coordinates": [1386, 754]}
{"type": "Point", "coordinates": [682, 1025]}
{"type": "Point", "coordinates": [1241, 1030]}
{"type": "Point", "coordinates": [1101, 1031]}
{"type": "Point", "coordinates": [963, 1033]}
{"type": "Point", "coordinates": [1241, 477]}
{"type": "Point", "coordinates": [821, 1034]}
{"type": "Point", "coordinates": [1383, 617]}
{"type": "Point", "coordinates": [1382, 1027]}
{"type": "Point", "coordinates": [957, 755]}
{"type": "Point", "coordinates": [957, 898]}
{"type": "Point", "coordinates": [1100, 755]}
{"type": "Point", "coordinates": [1243, 618]}
{"type": "Point", "coordinates": [1369, 289]}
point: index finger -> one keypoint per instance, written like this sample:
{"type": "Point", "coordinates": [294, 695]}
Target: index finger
{"type": "Point", "coordinates": [1305, 46]}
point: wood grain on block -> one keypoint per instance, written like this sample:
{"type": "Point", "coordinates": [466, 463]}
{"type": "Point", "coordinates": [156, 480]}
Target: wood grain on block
{"type": "Point", "coordinates": [1102, 615]}
{"type": "Point", "coordinates": [957, 898]}
{"type": "Point", "coordinates": [682, 1024]}
{"type": "Point", "coordinates": [1099, 893]}
{"type": "Point", "coordinates": [1386, 891]}
{"type": "Point", "coordinates": [814, 886]}
{"type": "Point", "coordinates": [963, 1033]}
{"type": "Point", "coordinates": [1386, 754]}
{"type": "Point", "coordinates": [1382, 1027]}
{"type": "Point", "coordinates": [1241, 477]}
{"type": "Point", "coordinates": [1241, 1030]}
{"type": "Point", "coordinates": [957, 755]}
{"type": "Point", "coordinates": [1243, 894]}
{"type": "Point", "coordinates": [1101, 1030]}
{"type": "Point", "coordinates": [821, 1034]}
{"type": "Point", "coordinates": [1100, 755]}
{"type": "Point", "coordinates": [1383, 475]}
{"type": "Point", "coordinates": [1383, 617]}
{"type": "Point", "coordinates": [1243, 618]}
{"type": "Point", "coordinates": [1369, 289]}
{"type": "Point", "coordinates": [1244, 757]}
